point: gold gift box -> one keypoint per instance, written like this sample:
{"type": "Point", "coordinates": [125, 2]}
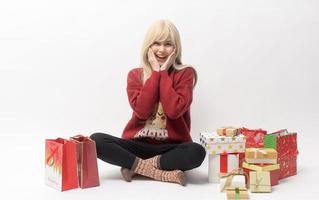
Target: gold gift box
{"type": "Point", "coordinates": [261, 155]}
{"type": "Point", "coordinates": [259, 181]}
{"type": "Point", "coordinates": [237, 194]}
{"type": "Point", "coordinates": [228, 131]}
{"type": "Point", "coordinates": [260, 168]}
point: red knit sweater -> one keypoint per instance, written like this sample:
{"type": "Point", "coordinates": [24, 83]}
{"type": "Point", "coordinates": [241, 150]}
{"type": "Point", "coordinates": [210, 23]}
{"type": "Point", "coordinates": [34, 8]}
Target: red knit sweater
{"type": "Point", "coordinates": [161, 107]}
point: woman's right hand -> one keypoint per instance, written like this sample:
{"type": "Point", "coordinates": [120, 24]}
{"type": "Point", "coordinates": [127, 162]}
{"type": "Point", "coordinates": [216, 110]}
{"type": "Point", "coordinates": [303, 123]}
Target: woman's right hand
{"type": "Point", "coordinates": [152, 60]}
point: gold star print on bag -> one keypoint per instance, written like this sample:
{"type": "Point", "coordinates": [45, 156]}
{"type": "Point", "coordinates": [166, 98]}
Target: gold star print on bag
{"type": "Point", "coordinates": [155, 125]}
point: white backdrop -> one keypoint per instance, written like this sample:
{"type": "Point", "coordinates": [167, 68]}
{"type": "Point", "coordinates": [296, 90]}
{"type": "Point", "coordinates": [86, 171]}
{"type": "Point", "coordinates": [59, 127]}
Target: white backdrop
{"type": "Point", "coordinates": [63, 68]}
{"type": "Point", "coordinates": [64, 63]}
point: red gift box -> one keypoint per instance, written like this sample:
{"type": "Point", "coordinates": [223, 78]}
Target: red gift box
{"type": "Point", "coordinates": [274, 176]}
{"type": "Point", "coordinates": [254, 137]}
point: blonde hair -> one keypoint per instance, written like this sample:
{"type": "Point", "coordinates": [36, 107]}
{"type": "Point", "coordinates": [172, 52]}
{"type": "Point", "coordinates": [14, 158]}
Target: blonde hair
{"type": "Point", "coordinates": [162, 30]}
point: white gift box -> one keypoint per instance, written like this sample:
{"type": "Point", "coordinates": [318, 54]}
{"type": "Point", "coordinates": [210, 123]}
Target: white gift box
{"type": "Point", "coordinates": [216, 163]}
{"type": "Point", "coordinates": [238, 181]}
{"type": "Point", "coordinates": [215, 144]}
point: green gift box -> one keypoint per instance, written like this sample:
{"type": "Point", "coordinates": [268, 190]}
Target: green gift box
{"type": "Point", "coordinates": [270, 141]}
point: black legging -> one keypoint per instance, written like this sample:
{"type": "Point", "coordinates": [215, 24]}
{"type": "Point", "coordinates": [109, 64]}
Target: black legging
{"type": "Point", "coordinates": [121, 152]}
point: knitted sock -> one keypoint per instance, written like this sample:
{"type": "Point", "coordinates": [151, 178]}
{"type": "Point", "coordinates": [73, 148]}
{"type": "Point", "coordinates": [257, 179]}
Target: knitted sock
{"type": "Point", "coordinates": [146, 168]}
{"type": "Point", "coordinates": [127, 174]}
{"type": "Point", "coordinates": [155, 161]}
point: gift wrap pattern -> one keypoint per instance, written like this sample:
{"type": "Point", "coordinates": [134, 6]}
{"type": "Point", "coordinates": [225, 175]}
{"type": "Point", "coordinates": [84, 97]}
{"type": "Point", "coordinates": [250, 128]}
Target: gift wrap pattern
{"type": "Point", "coordinates": [254, 137]}
{"type": "Point", "coordinates": [224, 153]}
{"type": "Point", "coordinates": [215, 144]}
{"type": "Point", "coordinates": [286, 145]}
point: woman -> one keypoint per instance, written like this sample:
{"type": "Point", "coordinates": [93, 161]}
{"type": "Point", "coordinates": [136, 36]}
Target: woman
{"type": "Point", "coordinates": [156, 142]}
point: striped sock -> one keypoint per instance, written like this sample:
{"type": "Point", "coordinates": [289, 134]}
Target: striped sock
{"type": "Point", "coordinates": [128, 174]}
{"type": "Point", "coordinates": [155, 161]}
{"type": "Point", "coordinates": [146, 168]}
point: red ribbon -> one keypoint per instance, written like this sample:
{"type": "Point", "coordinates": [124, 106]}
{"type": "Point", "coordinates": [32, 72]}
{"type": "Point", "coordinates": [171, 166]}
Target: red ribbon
{"type": "Point", "coordinates": [223, 163]}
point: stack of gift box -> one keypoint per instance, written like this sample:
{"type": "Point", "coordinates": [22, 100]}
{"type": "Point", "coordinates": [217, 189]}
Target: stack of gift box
{"type": "Point", "coordinates": [225, 149]}
{"type": "Point", "coordinates": [234, 185]}
{"type": "Point", "coordinates": [261, 169]}
{"type": "Point", "coordinates": [242, 159]}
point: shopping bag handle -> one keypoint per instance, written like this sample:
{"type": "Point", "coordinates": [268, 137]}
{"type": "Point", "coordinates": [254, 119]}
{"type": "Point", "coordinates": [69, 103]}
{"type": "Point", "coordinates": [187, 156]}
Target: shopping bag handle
{"type": "Point", "coordinates": [80, 138]}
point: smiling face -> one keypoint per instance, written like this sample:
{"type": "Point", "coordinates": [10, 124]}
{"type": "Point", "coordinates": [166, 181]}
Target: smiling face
{"type": "Point", "coordinates": [162, 50]}
{"type": "Point", "coordinates": [162, 38]}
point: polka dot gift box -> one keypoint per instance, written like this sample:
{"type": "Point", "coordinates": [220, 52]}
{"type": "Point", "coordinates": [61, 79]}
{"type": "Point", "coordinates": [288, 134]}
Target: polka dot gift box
{"type": "Point", "coordinates": [215, 144]}
{"type": "Point", "coordinates": [224, 153]}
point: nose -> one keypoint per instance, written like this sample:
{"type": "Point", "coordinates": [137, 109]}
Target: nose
{"type": "Point", "coordinates": [161, 48]}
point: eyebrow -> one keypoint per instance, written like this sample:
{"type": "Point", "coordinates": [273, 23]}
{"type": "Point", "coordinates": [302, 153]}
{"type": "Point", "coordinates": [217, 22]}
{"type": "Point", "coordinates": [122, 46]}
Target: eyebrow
{"type": "Point", "coordinates": [168, 41]}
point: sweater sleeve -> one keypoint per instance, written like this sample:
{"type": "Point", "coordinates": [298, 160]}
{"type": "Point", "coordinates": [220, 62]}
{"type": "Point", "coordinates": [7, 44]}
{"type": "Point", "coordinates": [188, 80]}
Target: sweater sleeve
{"type": "Point", "coordinates": [176, 98]}
{"type": "Point", "coordinates": [142, 98]}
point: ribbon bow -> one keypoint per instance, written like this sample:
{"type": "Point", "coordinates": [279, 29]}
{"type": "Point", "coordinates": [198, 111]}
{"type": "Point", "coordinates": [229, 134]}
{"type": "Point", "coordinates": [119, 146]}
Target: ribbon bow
{"type": "Point", "coordinates": [229, 177]}
{"type": "Point", "coordinates": [256, 151]}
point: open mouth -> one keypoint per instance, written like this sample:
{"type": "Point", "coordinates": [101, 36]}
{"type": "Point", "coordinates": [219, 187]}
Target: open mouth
{"type": "Point", "coordinates": [161, 58]}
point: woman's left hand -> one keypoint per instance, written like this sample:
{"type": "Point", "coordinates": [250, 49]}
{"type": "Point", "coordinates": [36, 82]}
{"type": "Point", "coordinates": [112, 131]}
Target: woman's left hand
{"type": "Point", "coordinates": [169, 62]}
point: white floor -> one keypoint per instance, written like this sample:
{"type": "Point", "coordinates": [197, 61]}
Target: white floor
{"type": "Point", "coordinates": [22, 177]}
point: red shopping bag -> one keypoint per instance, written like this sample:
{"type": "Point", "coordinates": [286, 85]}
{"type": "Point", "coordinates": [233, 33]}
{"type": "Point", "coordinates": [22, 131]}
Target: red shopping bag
{"type": "Point", "coordinates": [286, 145]}
{"type": "Point", "coordinates": [254, 137]}
{"type": "Point", "coordinates": [60, 164]}
{"type": "Point", "coordinates": [87, 161]}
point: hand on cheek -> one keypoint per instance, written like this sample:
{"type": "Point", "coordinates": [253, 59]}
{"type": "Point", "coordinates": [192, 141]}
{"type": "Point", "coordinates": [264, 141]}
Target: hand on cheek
{"type": "Point", "coordinates": [152, 60]}
{"type": "Point", "coordinates": [170, 61]}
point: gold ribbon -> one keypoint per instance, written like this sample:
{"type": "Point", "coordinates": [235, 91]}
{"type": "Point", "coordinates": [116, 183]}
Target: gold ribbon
{"type": "Point", "coordinates": [229, 177]}
{"type": "Point", "coordinates": [256, 151]}
{"type": "Point", "coordinates": [257, 181]}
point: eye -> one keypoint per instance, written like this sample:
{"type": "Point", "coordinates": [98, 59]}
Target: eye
{"type": "Point", "coordinates": [156, 43]}
{"type": "Point", "coordinates": [168, 44]}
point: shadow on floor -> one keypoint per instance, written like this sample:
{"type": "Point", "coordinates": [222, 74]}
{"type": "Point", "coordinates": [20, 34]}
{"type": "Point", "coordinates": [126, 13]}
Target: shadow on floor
{"type": "Point", "coordinates": [194, 177]}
